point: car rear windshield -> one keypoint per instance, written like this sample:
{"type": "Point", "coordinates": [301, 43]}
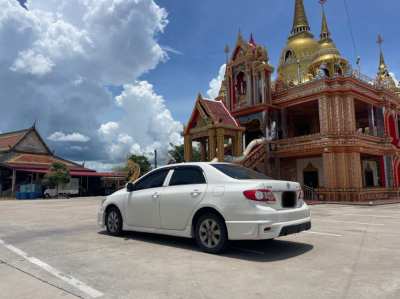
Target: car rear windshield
{"type": "Point", "coordinates": [240, 172]}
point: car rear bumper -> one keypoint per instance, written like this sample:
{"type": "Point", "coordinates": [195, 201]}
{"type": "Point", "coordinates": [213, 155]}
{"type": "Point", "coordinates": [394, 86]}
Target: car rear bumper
{"type": "Point", "coordinates": [280, 223]}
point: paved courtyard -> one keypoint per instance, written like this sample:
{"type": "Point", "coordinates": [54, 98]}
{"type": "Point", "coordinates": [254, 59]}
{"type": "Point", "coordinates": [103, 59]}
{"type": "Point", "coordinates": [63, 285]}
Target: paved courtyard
{"type": "Point", "coordinates": [53, 249]}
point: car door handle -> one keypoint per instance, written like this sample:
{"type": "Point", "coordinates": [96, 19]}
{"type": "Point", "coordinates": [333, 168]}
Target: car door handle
{"type": "Point", "coordinates": [156, 195]}
{"type": "Point", "coordinates": [195, 193]}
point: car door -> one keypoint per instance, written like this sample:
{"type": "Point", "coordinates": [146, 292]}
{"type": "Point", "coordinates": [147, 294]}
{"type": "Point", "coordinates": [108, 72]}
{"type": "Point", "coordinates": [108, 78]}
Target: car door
{"type": "Point", "coordinates": [143, 202]}
{"type": "Point", "coordinates": [187, 186]}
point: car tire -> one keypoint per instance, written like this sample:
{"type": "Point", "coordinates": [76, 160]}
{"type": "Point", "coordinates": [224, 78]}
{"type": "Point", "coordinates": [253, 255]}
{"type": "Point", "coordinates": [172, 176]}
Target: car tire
{"type": "Point", "coordinates": [113, 221]}
{"type": "Point", "coordinates": [211, 234]}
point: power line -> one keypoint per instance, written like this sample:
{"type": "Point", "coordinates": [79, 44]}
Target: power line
{"type": "Point", "coordinates": [346, 6]}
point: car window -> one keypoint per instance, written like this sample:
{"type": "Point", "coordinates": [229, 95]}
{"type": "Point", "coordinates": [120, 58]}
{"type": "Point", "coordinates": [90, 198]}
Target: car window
{"type": "Point", "coordinates": [187, 176]}
{"type": "Point", "coordinates": [240, 172]}
{"type": "Point", "coordinates": [153, 180]}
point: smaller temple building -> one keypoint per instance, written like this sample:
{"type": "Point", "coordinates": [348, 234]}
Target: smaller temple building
{"type": "Point", "coordinates": [25, 158]}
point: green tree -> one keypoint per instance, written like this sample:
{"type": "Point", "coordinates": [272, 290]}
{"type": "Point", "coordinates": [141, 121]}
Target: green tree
{"type": "Point", "coordinates": [177, 153]}
{"type": "Point", "coordinates": [58, 175]}
{"type": "Point", "coordinates": [143, 162]}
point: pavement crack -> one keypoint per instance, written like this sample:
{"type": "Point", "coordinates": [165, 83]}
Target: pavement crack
{"type": "Point", "coordinates": [40, 279]}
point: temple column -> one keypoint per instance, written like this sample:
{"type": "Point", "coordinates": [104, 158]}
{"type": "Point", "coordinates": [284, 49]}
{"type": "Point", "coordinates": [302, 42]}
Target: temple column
{"type": "Point", "coordinates": [188, 149]}
{"type": "Point", "coordinates": [211, 144]}
{"type": "Point", "coordinates": [238, 146]}
{"type": "Point", "coordinates": [13, 180]}
{"type": "Point", "coordinates": [371, 120]}
{"type": "Point", "coordinates": [324, 117]}
{"type": "Point", "coordinates": [284, 123]}
{"type": "Point", "coordinates": [342, 170]}
{"type": "Point", "coordinates": [220, 144]}
{"type": "Point", "coordinates": [203, 150]}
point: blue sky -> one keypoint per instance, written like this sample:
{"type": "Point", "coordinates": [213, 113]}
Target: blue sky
{"type": "Point", "coordinates": [93, 74]}
{"type": "Point", "coordinates": [200, 30]}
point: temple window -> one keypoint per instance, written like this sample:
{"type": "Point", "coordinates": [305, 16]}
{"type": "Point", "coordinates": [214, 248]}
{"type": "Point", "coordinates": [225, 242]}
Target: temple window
{"type": "Point", "coordinates": [241, 84]}
{"type": "Point", "coordinates": [288, 55]}
{"type": "Point", "coordinates": [369, 119]}
{"type": "Point", "coordinates": [303, 119]}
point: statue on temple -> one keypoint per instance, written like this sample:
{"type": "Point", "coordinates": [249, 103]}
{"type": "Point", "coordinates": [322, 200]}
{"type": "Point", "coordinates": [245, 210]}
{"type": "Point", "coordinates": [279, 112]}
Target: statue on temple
{"type": "Point", "coordinates": [241, 84]}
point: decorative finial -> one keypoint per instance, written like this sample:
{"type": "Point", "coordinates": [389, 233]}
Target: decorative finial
{"type": "Point", "coordinates": [240, 37]}
{"type": "Point", "coordinates": [380, 40]}
{"type": "Point", "coordinates": [325, 33]}
{"type": "Point", "coordinates": [251, 40]}
{"type": "Point", "coordinates": [226, 51]}
{"type": "Point", "coordinates": [34, 124]}
{"type": "Point", "coordinates": [199, 96]}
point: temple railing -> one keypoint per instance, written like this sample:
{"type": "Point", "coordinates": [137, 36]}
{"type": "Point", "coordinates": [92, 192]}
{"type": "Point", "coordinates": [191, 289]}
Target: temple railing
{"type": "Point", "coordinates": [350, 74]}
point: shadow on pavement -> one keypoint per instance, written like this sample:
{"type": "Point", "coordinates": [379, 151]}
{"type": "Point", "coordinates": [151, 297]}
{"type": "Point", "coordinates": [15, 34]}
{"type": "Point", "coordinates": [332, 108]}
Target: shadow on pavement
{"type": "Point", "coordinates": [261, 251]}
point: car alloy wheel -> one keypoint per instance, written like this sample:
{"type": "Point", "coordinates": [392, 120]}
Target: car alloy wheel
{"type": "Point", "coordinates": [114, 222]}
{"type": "Point", "coordinates": [210, 233]}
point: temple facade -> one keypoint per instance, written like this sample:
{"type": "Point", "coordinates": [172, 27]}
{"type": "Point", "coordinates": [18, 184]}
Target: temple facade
{"type": "Point", "coordinates": [321, 122]}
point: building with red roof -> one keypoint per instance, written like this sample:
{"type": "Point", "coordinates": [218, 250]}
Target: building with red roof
{"type": "Point", "coordinates": [25, 158]}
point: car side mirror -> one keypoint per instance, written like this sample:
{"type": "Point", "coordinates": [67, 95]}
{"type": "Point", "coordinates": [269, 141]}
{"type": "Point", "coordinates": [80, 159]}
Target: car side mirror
{"type": "Point", "coordinates": [130, 187]}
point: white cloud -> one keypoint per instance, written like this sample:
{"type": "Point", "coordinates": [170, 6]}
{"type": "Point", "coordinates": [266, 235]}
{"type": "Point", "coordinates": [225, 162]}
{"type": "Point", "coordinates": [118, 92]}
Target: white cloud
{"type": "Point", "coordinates": [215, 84]}
{"type": "Point", "coordinates": [395, 78]}
{"type": "Point", "coordinates": [108, 128]}
{"type": "Point", "coordinates": [56, 58]}
{"type": "Point", "coordinates": [31, 63]}
{"type": "Point", "coordinates": [73, 137]}
{"type": "Point", "coordinates": [147, 124]}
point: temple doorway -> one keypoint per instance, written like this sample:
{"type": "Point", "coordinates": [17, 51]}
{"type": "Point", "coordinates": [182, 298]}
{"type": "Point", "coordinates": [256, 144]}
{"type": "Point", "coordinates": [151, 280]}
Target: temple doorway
{"type": "Point", "coordinates": [253, 131]}
{"type": "Point", "coordinates": [310, 176]}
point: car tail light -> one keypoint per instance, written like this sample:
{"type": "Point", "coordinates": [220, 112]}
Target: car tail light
{"type": "Point", "coordinates": [261, 195]}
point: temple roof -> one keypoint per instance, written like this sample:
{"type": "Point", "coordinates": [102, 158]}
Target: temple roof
{"type": "Point", "coordinates": [22, 160]}
{"type": "Point", "coordinates": [210, 112]}
{"type": "Point", "coordinates": [218, 112]}
{"type": "Point", "coordinates": [10, 139]}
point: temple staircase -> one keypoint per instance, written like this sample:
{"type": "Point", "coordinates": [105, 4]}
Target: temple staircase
{"type": "Point", "coordinates": [255, 157]}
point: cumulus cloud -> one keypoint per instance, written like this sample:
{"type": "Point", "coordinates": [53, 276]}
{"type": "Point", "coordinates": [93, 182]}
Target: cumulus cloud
{"type": "Point", "coordinates": [146, 125]}
{"type": "Point", "coordinates": [56, 58]}
{"type": "Point", "coordinates": [215, 84]}
{"type": "Point", "coordinates": [395, 78]}
{"type": "Point", "coordinates": [73, 137]}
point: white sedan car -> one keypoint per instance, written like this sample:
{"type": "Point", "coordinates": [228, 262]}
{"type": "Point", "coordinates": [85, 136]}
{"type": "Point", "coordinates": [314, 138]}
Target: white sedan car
{"type": "Point", "coordinates": [211, 202]}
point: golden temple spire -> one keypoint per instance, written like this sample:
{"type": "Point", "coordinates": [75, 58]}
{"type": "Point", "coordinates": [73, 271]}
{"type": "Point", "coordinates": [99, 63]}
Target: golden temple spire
{"type": "Point", "coordinates": [382, 69]}
{"type": "Point", "coordinates": [240, 36]}
{"type": "Point", "coordinates": [325, 33]}
{"type": "Point", "coordinates": [300, 21]}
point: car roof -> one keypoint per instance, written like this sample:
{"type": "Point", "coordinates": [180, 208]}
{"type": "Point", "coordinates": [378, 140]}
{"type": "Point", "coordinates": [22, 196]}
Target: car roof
{"type": "Point", "coordinates": [191, 164]}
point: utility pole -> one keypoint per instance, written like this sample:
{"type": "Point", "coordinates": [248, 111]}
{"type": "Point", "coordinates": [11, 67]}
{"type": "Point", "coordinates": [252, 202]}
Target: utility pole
{"type": "Point", "coordinates": [155, 158]}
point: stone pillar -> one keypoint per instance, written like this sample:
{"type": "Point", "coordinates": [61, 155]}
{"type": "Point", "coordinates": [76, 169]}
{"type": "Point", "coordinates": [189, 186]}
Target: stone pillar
{"type": "Point", "coordinates": [211, 144]}
{"type": "Point", "coordinates": [13, 181]}
{"type": "Point", "coordinates": [389, 171]}
{"type": "Point", "coordinates": [203, 150]}
{"type": "Point", "coordinates": [237, 144]}
{"type": "Point", "coordinates": [324, 118]}
{"type": "Point", "coordinates": [342, 170]}
{"type": "Point", "coordinates": [371, 120]}
{"type": "Point", "coordinates": [284, 123]}
{"type": "Point", "coordinates": [220, 144]}
{"type": "Point", "coordinates": [188, 150]}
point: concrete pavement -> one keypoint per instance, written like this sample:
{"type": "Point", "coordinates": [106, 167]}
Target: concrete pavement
{"type": "Point", "coordinates": [351, 252]}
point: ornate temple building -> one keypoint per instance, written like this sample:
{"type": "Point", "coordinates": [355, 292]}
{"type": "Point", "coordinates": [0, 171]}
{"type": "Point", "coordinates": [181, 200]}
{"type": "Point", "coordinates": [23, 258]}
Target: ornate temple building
{"type": "Point", "coordinates": [320, 122]}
